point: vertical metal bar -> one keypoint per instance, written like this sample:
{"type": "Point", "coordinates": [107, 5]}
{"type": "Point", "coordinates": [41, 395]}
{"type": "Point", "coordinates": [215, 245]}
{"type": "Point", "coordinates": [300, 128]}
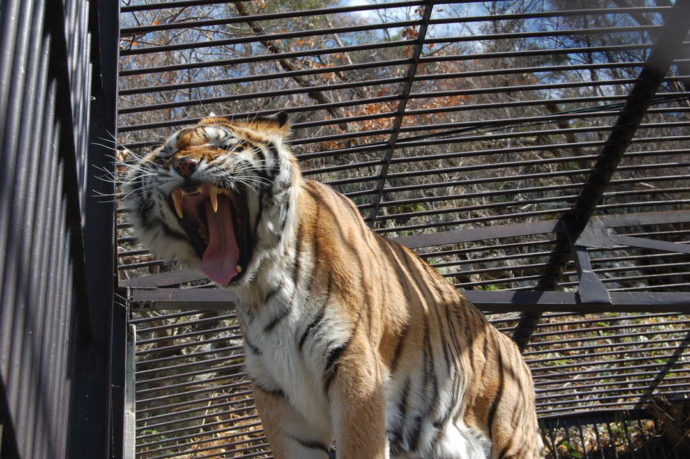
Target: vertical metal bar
{"type": "Point", "coordinates": [397, 123]}
{"type": "Point", "coordinates": [130, 419]}
{"type": "Point", "coordinates": [95, 101]}
{"type": "Point", "coordinates": [652, 75]}
{"type": "Point", "coordinates": [35, 227]}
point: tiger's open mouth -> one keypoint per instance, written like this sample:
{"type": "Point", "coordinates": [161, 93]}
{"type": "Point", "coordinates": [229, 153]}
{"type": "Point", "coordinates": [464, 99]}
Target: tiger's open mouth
{"type": "Point", "coordinates": [216, 222]}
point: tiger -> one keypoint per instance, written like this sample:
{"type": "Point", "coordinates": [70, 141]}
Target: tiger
{"type": "Point", "coordinates": [354, 346]}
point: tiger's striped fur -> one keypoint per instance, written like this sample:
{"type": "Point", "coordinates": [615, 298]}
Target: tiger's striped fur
{"type": "Point", "coordinates": [349, 337]}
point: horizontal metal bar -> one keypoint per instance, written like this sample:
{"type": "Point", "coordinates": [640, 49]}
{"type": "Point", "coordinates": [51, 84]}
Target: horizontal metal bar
{"type": "Point", "coordinates": [260, 95]}
{"type": "Point", "coordinates": [143, 445]}
{"type": "Point", "coordinates": [215, 406]}
{"type": "Point", "coordinates": [226, 358]}
{"type": "Point", "coordinates": [466, 221]}
{"type": "Point", "coordinates": [553, 14]}
{"type": "Point", "coordinates": [451, 183]}
{"type": "Point", "coordinates": [177, 347]}
{"type": "Point", "coordinates": [528, 70]}
{"type": "Point", "coordinates": [636, 278]}
{"type": "Point", "coordinates": [506, 301]}
{"type": "Point", "coordinates": [594, 394]}
{"type": "Point", "coordinates": [266, 17]}
{"type": "Point", "coordinates": [532, 53]}
{"type": "Point", "coordinates": [685, 286]}
{"type": "Point", "coordinates": [173, 387]}
{"type": "Point", "coordinates": [499, 269]}
{"type": "Point", "coordinates": [163, 280]}
{"type": "Point", "coordinates": [587, 339]}
{"type": "Point", "coordinates": [597, 399]}
{"type": "Point", "coordinates": [576, 411]}
{"type": "Point", "coordinates": [651, 244]}
{"type": "Point", "coordinates": [171, 407]}
{"type": "Point", "coordinates": [565, 350]}
{"type": "Point", "coordinates": [535, 87]}
{"type": "Point", "coordinates": [208, 388]}
{"type": "Point", "coordinates": [262, 77]}
{"type": "Point", "coordinates": [264, 57]}
{"type": "Point", "coordinates": [472, 261]}
{"type": "Point", "coordinates": [522, 191]}
{"type": "Point", "coordinates": [195, 427]}
{"type": "Point", "coordinates": [307, 108]}
{"type": "Point", "coordinates": [268, 37]}
{"type": "Point", "coordinates": [160, 425]}
{"type": "Point", "coordinates": [605, 328]}
{"type": "Point", "coordinates": [488, 248]}
{"type": "Point", "coordinates": [207, 320]}
{"type": "Point", "coordinates": [143, 320]}
{"type": "Point", "coordinates": [149, 363]}
{"type": "Point", "coordinates": [636, 350]}
{"type": "Point", "coordinates": [540, 382]}
{"type": "Point", "coordinates": [155, 361]}
{"type": "Point", "coordinates": [497, 205]}
{"type": "Point", "coordinates": [491, 37]}
{"type": "Point", "coordinates": [142, 342]}
{"type": "Point", "coordinates": [255, 443]}
{"type": "Point", "coordinates": [168, 4]}
{"type": "Point", "coordinates": [230, 369]}
{"type": "Point", "coordinates": [142, 264]}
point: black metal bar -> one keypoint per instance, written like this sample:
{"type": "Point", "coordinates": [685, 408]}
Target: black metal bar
{"type": "Point", "coordinates": [264, 57]}
{"type": "Point", "coordinates": [646, 86]}
{"type": "Point", "coordinates": [95, 397]}
{"type": "Point", "coordinates": [260, 95]}
{"type": "Point", "coordinates": [540, 382]}
{"type": "Point", "coordinates": [501, 301]}
{"type": "Point", "coordinates": [652, 244]}
{"type": "Point", "coordinates": [265, 17]}
{"type": "Point", "coordinates": [208, 388]}
{"type": "Point", "coordinates": [275, 36]}
{"type": "Point", "coordinates": [206, 400]}
{"type": "Point", "coordinates": [209, 432]}
{"type": "Point", "coordinates": [268, 76]}
{"type": "Point", "coordinates": [541, 34]}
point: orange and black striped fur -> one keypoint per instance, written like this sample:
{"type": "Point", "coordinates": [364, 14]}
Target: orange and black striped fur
{"type": "Point", "coordinates": [351, 340]}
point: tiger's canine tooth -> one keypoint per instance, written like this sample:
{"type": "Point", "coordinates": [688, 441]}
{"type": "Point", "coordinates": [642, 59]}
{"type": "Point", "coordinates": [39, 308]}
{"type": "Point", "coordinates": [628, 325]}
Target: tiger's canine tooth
{"type": "Point", "coordinates": [213, 195]}
{"type": "Point", "coordinates": [177, 200]}
{"type": "Point", "coordinates": [239, 269]}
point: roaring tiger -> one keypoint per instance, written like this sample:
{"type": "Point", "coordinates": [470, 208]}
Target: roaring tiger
{"type": "Point", "coordinates": [350, 339]}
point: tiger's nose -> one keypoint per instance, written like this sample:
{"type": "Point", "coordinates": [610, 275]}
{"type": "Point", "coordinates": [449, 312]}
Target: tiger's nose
{"type": "Point", "coordinates": [185, 166]}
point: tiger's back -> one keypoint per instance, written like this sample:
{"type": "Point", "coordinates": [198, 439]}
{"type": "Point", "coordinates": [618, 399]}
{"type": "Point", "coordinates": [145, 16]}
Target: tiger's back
{"type": "Point", "coordinates": [451, 377]}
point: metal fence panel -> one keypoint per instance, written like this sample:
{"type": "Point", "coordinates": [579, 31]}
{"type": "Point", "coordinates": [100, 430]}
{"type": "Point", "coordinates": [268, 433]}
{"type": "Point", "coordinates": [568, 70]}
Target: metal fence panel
{"type": "Point", "coordinates": [50, 78]}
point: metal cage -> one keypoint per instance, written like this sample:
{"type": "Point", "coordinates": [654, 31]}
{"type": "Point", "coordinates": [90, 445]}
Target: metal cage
{"type": "Point", "coordinates": [535, 153]}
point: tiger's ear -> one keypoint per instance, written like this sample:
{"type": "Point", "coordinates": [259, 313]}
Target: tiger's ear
{"type": "Point", "coordinates": [277, 122]}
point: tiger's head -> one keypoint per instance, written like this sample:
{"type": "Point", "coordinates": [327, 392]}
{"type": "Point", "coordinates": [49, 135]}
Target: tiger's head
{"type": "Point", "coordinates": [218, 196]}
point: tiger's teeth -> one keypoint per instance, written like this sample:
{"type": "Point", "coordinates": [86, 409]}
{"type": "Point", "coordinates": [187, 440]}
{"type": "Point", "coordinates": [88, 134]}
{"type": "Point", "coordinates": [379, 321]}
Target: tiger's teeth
{"type": "Point", "coordinates": [213, 194]}
{"type": "Point", "coordinates": [239, 269]}
{"type": "Point", "coordinates": [177, 200]}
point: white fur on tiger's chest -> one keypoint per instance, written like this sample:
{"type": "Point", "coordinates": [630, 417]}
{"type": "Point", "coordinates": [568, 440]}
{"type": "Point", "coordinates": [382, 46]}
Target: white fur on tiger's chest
{"type": "Point", "coordinates": [279, 365]}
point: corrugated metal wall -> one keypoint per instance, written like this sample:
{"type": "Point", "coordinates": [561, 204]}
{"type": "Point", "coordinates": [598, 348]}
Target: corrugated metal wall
{"type": "Point", "coordinates": [57, 97]}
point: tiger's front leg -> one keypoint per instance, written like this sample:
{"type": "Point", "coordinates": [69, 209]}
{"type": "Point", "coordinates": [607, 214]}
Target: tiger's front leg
{"type": "Point", "coordinates": [357, 402]}
{"type": "Point", "coordinates": [288, 434]}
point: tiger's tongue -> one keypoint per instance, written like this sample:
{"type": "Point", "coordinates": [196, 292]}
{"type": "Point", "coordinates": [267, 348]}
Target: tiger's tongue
{"type": "Point", "coordinates": [219, 262]}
